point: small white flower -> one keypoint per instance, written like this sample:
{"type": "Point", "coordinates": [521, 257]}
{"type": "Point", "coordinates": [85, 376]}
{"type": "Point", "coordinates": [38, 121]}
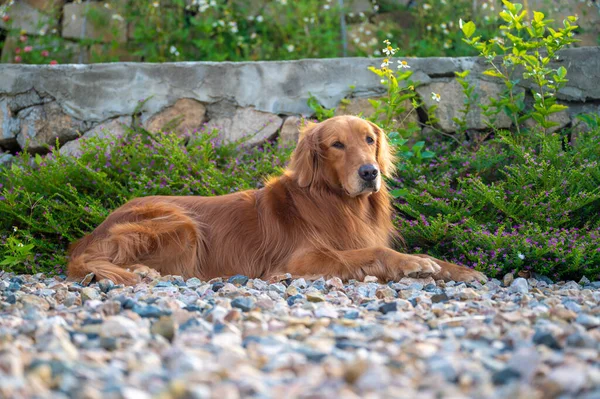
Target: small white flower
{"type": "Point", "coordinates": [259, 18]}
{"type": "Point", "coordinates": [435, 97]}
{"type": "Point", "coordinates": [443, 25]}
{"type": "Point", "coordinates": [428, 28]}
{"type": "Point", "coordinates": [326, 7]}
{"type": "Point", "coordinates": [388, 50]}
{"type": "Point", "coordinates": [484, 6]}
{"type": "Point", "coordinates": [403, 64]}
{"type": "Point", "coordinates": [426, 6]}
{"type": "Point", "coordinates": [20, 244]}
{"type": "Point", "coordinates": [156, 4]}
{"type": "Point", "coordinates": [383, 81]}
{"type": "Point", "coordinates": [290, 48]}
{"type": "Point", "coordinates": [117, 17]}
{"type": "Point", "coordinates": [521, 256]}
{"type": "Point", "coordinates": [253, 35]}
{"type": "Point", "coordinates": [385, 63]}
{"type": "Point", "coordinates": [460, 23]}
{"type": "Point", "coordinates": [15, 229]}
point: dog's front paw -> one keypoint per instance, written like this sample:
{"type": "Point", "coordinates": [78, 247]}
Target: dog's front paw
{"type": "Point", "coordinates": [417, 267]}
{"type": "Point", "coordinates": [451, 272]}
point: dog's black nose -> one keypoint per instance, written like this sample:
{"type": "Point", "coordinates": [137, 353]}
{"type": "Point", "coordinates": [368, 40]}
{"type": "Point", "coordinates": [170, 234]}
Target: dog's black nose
{"type": "Point", "coordinates": [368, 172]}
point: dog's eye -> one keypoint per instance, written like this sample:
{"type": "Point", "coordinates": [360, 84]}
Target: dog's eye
{"type": "Point", "coordinates": [338, 145]}
{"type": "Point", "coordinates": [370, 140]}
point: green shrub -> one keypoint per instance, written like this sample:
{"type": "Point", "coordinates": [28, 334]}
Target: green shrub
{"type": "Point", "coordinates": [511, 205]}
{"type": "Point", "coordinates": [51, 201]}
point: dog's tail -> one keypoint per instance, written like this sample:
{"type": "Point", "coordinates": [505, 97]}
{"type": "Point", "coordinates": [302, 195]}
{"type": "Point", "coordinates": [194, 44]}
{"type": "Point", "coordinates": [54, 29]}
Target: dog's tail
{"type": "Point", "coordinates": [91, 260]}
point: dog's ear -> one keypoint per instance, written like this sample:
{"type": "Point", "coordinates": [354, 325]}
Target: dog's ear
{"type": "Point", "coordinates": [385, 155]}
{"type": "Point", "coordinates": [305, 160]}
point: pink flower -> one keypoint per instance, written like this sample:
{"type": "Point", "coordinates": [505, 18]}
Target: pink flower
{"type": "Point", "coordinates": [18, 50]}
{"type": "Point", "coordinates": [45, 53]}
{"type": "Point", "coordinates": [6, 18]}
{"type": "Point", "coordinates": [28, 49]}
{"type": "Point", "coordinates": [18, 58]}
{"type": "Point", "coordinates": [53, 62]}
{"type": "Point", "coordinates": [23, 38]}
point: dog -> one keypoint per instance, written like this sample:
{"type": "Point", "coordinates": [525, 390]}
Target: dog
{"type": "Point", "coordinates": [329, 214]}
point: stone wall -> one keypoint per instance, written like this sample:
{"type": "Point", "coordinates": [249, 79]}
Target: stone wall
{"type": "Point", "coordinates": [40, 103]}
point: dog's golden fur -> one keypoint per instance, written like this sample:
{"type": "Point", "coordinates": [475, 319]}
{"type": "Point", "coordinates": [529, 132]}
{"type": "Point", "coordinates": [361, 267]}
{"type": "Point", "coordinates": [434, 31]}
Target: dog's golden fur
{"type": "Point", "coordinates": [318, 219]}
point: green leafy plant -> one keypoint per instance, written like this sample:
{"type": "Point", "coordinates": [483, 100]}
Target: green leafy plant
{"type": "Point", "coordinates": [17, 256]}
{"type": "Point", "coordinates": [321, 113]}
{"type": "Point", "coordinates": [526, 47]}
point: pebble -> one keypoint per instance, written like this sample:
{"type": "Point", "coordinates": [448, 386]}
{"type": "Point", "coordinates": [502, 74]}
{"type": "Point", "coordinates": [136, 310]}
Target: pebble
{"type": "Point", "coordinates": [437, 298]}
{"type": "Point", "coordinates": [508, 279]}
{"type": "Point", "coordinates": [164, 326]}
{"type": "Point", "coordinates": [150, 311]}
{"type": "Point", "coordinates": [519, 285]}
{"type": "Point", "coordinates": [545, 338]}
{"type": "Point", "coordinates": [245, 303]}
{"type": "Point", "coordinates": [238, 280]}
{"type": "Point", "coordinates": [89, 293]}
{"type": "Point", "coordinates": [285, 337]}
{"type": "Point", "coordinates": [588, 321]}
{"type": "Point", "coordinates": [315, 296]}
{"type": "Point", "coordinates": [106, 285]}
{"type": "Point", "coordinates": [388, 307]}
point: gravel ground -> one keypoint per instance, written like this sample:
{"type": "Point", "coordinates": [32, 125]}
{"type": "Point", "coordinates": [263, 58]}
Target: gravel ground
{"type": "Point", "coordinates": [169, 338]}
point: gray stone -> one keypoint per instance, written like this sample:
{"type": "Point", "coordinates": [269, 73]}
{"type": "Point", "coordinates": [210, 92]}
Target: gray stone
{"type": "Point", "coordinates": [194, 282]}
{"type": "Point", "coordinates": [25, 17]}
{"type": "Point", "coordinates": [363, 107]}
{"type": "Point", "coordinates": [520, 286]}
{"type": "Point", "coordinates": [581, 340]}
{"type": "Point", "coordinates": [5, 159]}
{"type": "Point", "coordinates": [76, 23]}
{"type": "Point", "coordinates": [246, 304]}
{"type": "Point", "coordinates": [164, 326]}
{"type": "Point", "coordinates": [545, 338]}
{"type": "Point", "coordinates": [249, 123]}
{"type": "Point", "coordinates": [388, 307]}
{"type": "Point", "coordinates": [238, 279]}
{"type": "Point", "coordinates": [505, 376]}
{"type": "Point", "coordinates": [113, 130]}
{"type": "Point", "coordinates": [120, 327]}
{"type": "Point", "coordinates": [315, 296]}
{"type": "Point", "coordinates": [587, 320]}
{"type": "Point", "coordinates": [290, 131]}
{"type": "Point", "coordinates": [452, 100]}
{"type": "Point", "coordinates": [9, 125]}
{"type": "Point", "coordinates": [106, 285]}
{"type": "Point", "coordinates": [89, 293]}
{"type": "Point", "coordinates": [185, 116]}
{"type": "Point", "coordinates": [42, 125]}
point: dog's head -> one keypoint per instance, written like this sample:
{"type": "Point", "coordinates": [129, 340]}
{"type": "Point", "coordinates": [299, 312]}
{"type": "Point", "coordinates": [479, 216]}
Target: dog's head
{"type": "Point", "coordinates": [343, 153]}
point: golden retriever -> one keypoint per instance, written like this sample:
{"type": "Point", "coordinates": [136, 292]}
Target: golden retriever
{"type": "Point", "coordinates": [329, 214]}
